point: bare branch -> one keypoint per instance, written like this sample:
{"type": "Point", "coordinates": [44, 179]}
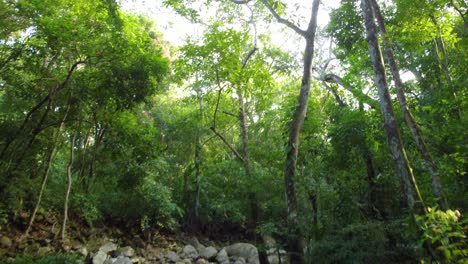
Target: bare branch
{"type": "Point", "coordinates": [236, 153]}
{"type": "Point", "coordinates": [284, 21]}
{"type": "Point", "coordinates": [240, 2]}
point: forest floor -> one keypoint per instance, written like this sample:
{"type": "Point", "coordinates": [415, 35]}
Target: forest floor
{"type": "Point", "coordinates": [195, 243]}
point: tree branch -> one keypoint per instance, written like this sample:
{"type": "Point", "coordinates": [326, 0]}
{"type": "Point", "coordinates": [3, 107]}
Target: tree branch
{"type": "Point", "coordinates": [284, 21]}
{"type": "Point", "coordinates": [332, 78]}
{"type": "Point", "coordinates": [236, 153]}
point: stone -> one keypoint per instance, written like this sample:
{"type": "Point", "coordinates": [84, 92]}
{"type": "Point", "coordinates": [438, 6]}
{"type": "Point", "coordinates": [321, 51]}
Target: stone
{"type": "Point", "coordinates": [171, 256]}
{"type": "Point", "coordinates": [190, 252]}
{"type": "Point", "coordinates": [43, 251]}
{"type": "Point", "coordinates": [82, 251]}
{"type": "Point", "coordinates": [208, 252]}
{"type": "Point", "coordinates": [244, 250]}
{"type": "Point", "coordinates": [5, 242]}
{"type": "Point", "coordinates": [222, 256]}
{"type": "Point", "coordinates": [108, 247]}
{"type": "Point", "coordinates": [122, 260]}
{"type": "Point", "coordinates": [200, 247]}
{"type": "Point", "coordinates": [127, 252]}
{"type": "Point", "coordinates": [201, 261]}
{"type": "Point", "coordinates": [187, 261]}
{"type": "Point", "coordinates": [100, 257]}
{"type": "Point", "coordinates": [240, 260]}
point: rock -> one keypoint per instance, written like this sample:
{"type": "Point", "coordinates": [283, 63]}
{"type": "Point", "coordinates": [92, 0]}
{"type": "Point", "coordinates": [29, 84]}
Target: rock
{"type": "Point", "coordinates": [201, 261]}
{"type": "Point", "coordinates": [187, 261]}
{"type": "Point", "coordinates": [208, 252]}
{"type": "Point", "coordinates": [43, 251]}
{"type": "Point", "coordinates": [171, 256]}
{"type": "Point", "coordinates": [5, 242]}
{"type": "Point", "coordinates": [127, 252]}
{"type": "Point", "coordinates": [244, 250]}
{"type": "Point", "coordinates": [190, 252]}
{"type": "Point", "coordinates": [194, 242]}
{"type": "Point", "coordinates": [200, 247]}
{"type": "Point", "coordinates": [136, 260]}
{"type": "Point", "coordinates": [122, 260]}
{"type": "Point", "coordinates": [240, 260]}
{"type": "Point", "coordinates": [108, 247]}
{"type": "Point", "coordinates": [82, 251]}
{"type": "Point", "coordinates": [99, 258]}
{"type": "Point", "coordinates": [222, 256]}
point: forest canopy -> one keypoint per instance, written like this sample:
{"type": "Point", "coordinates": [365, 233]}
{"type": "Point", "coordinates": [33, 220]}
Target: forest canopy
{"type": "Point", "coordinates": [352, 149]}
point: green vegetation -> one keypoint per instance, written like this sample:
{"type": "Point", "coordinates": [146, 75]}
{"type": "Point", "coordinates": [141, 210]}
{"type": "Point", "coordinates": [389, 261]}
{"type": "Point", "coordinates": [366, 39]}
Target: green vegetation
{"type": "Point", "coordinates": [102, 122]}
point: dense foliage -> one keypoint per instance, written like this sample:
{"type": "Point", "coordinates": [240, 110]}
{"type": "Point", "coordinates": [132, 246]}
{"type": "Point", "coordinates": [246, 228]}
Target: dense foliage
{"type": "Point", "coordinates": [161, 137]}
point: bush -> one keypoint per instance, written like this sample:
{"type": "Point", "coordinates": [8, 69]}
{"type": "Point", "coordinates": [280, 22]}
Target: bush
{"type": "Point", "coordinates": [446, 231]}
{"type": "Point", "coordinates": [356, 243]}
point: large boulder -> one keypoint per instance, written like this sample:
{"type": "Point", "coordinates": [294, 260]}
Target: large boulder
{"type": "Point", "coordinates": [108, 247]}
{"type": "Point", "coordinates": [100, 257]}
{"type": "Point", "coordinates": [190, 252]}
{"type": "Point", "coordinates": [208, 252]}
{"type": "Point", "coordinates": [222, 256]}
{"type": "Point", "coordinates": [243, 250]}
{"type": "Point", "coordinates": [126, 252]}
{"type": "Point", "coordinates": [122, 260]}
{"type": "Point", "coordinates": [172, 257]}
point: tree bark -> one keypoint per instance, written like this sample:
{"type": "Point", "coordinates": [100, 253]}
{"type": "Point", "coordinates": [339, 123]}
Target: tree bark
{"type": "Point", "coordinates": [69, 185]}
{"type": "Point", "coordinates": [394, 141]}
{"type": "Point", "coordinates": [48, 163]}
{"type": "Point", "coordinates": [409, 119]}
{"type": "Point", "coordinates": [197, 158]}
{"type": "Point", "coordinates": [295, 239]}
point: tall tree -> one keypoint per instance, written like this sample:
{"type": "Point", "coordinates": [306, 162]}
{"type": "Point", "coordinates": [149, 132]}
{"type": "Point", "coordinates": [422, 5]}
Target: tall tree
{"type": "Point", "coordinates": [409, 119]}
{"type": "Point", "coordinates": [295, 238]}
{"type": "Point", "coordinates": [394, 140]}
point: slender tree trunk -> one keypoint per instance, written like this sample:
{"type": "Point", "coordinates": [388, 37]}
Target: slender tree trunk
{"type": "Point", "coordinates": [295, 239]}
{"type": "Point", "coordinates": [394, 141]}
{"type": "Point", "coordinates": [69, 185]}
{"type": "Point", "coordinates": [409, 119]}
{"type": "Point", "coordinates": [198, 148]}
{"type": "Point", "coordinates": [48, 164]}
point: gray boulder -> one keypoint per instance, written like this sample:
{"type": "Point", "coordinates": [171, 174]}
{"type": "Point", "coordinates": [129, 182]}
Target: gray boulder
{"type": "Point", "coordinates": [190, 252]}
{"type": "Point", "coordinates": [240, 260]}
{"type": "Point", "coordinates": [108, 247]}
{"type": "Point", "coordinates": [222, 256]}
{"type": "Point", "coordinates": [171, 256]}
{"type": "Point", "coordinates": [243, 250]}
{"type": "Point", "coordinates": [208, 252]}
{"type": "Point", "coordinates": [127, 252]}
{"type": "Point", "coordinates": [100, 257]}
{"type": "Point", "coordinates": [122, 260]}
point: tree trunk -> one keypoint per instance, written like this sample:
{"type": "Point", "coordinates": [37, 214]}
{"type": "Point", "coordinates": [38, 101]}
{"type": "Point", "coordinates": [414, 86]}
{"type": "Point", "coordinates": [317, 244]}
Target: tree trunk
{"type": "Point", "coordinates": [69, 184]}
{"type": "Point", "coordinates": [48, 163]}
{"type": "Point", "coordinates": [394, 141]}
{"type": "Point", "coordinates": [409, 119]}
{"type": "Point", "coordinates": [295, 239]}
{"type": "Point", "coordinates": [197, 158]}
